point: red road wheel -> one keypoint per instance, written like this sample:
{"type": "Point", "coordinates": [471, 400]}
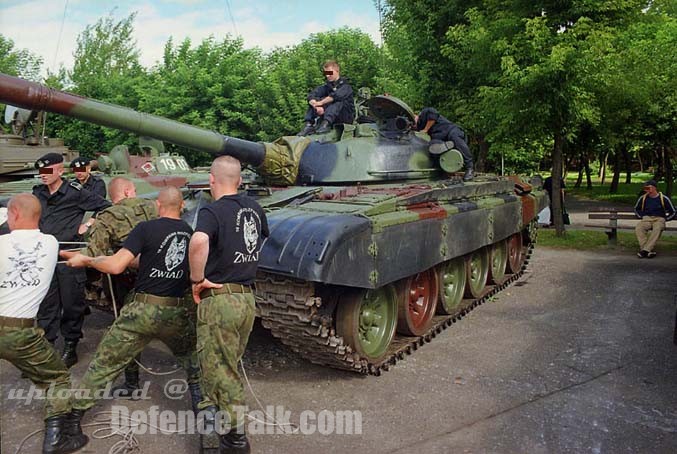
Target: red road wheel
{"type": "Point", "coordinates": [515, 254]}
{"type": "Point", "coordinates": [418, 300]}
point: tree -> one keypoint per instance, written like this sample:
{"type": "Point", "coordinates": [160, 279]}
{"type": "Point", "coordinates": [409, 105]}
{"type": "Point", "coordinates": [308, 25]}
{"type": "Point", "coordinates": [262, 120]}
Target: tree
{"type": "Point", "coordinates": [18, 62]}
{"type": "Point", "coordinates": [106, 68]}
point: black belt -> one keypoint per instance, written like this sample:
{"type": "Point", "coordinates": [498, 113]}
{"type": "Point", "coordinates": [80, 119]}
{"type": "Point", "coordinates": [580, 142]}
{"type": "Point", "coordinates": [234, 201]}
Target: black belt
{"type": "Point", "coordinates": [158, 300]}
{"type": "Point", "coordinates": [13, 322]}
{"type": "Point", "coordinates": [227, 288]}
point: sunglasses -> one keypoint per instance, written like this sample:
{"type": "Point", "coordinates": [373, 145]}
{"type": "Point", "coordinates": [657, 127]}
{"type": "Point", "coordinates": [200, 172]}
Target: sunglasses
{"type": "Point", "coordinates": [45, 171]}
{"type": "Point", "coordinates": [80, 169]}
{"type": "Point", "coordinates": [328, 73]}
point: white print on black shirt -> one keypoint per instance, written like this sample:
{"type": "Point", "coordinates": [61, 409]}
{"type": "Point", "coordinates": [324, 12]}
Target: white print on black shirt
{"type": "Point", "coordinates": [25, 270]}
{"type": "Point", "coordinates": [175, 256]}
{"type": "Point", "coordinates": [248, 222]}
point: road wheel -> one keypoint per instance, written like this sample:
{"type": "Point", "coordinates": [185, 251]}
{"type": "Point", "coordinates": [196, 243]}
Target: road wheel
{"type": "Point", "coordinates": [452, 285]}
{"type": "Point", "coordinates": [367, 320]}
{"type": "Point", "coordinates": [498, 259]}
{"type": "Point", "coordinates": [515, 254]}
{"type": "Point", "coordinates": [418, 300]}
{"type": "Point", "coordinates": [477, 271]}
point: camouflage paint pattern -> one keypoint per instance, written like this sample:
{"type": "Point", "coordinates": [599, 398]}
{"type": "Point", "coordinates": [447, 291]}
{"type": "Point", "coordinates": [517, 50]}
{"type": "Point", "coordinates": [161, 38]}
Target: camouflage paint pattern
{"type": "Point", "coordinates": [30, 352]}
{"type": "Point", "coordinates": [136, 326]}
{"type": "Point", "coordinates": [224, 323]}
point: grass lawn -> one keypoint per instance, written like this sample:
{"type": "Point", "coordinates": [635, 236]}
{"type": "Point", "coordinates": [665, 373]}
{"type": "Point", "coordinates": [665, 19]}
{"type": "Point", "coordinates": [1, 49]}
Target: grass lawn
{"type": "Point", "coordinates": [597, 240]}
{"type": "Point", "coordinates": [627, 193]}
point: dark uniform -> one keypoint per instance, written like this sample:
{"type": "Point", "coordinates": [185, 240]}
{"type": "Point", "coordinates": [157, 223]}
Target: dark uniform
{"type": "Point", "coordinates": [96, 185]}
{"type": "Point", "coordinates": [444, 130]}
{"type": "Point", "coordinates": [158, 309]}
{"type": "Point", "coordinates": [236, 226]}
{"type": "Point", "coordinates": [62, 213]}
{"type": "Point", "coordinates": [93, 183]}
{"type": "Point", "coordinates": [341, 110]}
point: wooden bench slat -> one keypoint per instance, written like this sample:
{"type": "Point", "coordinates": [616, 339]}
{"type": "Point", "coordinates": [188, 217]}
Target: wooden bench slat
{"type": "Point", "coordinates": [611, 216]}
{"type": "Point", "coordinates": [623, 227]}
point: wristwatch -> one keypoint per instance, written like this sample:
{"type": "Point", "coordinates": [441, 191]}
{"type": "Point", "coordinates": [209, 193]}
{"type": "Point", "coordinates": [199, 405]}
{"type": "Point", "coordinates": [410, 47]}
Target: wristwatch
{"type": "Point", "coordinates": [197, 282]}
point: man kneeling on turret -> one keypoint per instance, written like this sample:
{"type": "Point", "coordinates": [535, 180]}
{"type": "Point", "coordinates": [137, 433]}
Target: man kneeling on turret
{"type": "Point", "coordinates": [442, 131]}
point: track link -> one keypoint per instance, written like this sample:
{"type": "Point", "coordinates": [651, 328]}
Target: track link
{"type": "Point", "coordinates": [292, 312]}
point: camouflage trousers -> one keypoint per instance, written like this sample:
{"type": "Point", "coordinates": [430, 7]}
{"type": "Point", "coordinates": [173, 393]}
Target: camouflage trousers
{"type": "Point", "coordinates": [30, 352]}
{"type": "Point", "coordinates": [137, 325]}
{"type": "Point", "coordinates": [224, 323]}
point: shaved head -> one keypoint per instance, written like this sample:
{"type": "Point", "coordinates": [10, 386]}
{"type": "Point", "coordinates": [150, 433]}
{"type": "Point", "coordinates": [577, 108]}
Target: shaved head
{"type": "Point", "coordinates": [226, 170]}
{"type": "Point", "coordinates": [170, 198]}
{"type": "Point", "coordinates": [121, 188]}
{"type": "Point", "coordinates": [23, 212]}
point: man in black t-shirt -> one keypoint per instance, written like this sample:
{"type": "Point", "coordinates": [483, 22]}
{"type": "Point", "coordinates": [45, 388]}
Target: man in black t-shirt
{"type": "Point", "coordinates": [158, 310]}
{"type": "Point", "coordinates": [224, 255]}
{"type": "Point", "coordinates": [442, 130]}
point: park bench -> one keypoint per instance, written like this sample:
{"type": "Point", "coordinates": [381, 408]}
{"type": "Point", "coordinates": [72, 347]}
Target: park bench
{"type": "Point", "coordinates": [614, 215]}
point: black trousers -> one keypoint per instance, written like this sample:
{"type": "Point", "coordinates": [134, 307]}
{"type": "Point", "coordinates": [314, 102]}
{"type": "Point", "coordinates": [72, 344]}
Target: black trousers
{"type": "Point", "coordinates": [63, 308]}
{"type": "Point", "coordinates": [458, 137]}
{"type": "Point", "coordinates": [336, 112]}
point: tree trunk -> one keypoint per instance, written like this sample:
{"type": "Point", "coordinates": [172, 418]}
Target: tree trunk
{"type": "Point", "coordinates": [602, 166]}
{"type": "Point", "coordinates": [579, 178]}
{"type": "Point", "coordinates": [556, 184]}
{"type": "Point", "coordinates": [588, 177]}
{"type": "Point", "coordinates": [641, 163]}
{"type": "Point", "coordinates": [613, 189]}
{"type": "Point", "coordinates": [628, 164]}
{"type": "Point", "coordinates": [480, 163]}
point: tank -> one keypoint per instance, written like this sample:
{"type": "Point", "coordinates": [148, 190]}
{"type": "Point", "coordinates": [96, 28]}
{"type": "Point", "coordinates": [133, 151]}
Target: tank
{"type": "Point", "coordinates": [24, 142]}
{"type": "Point", "coordinates": [375, 245]}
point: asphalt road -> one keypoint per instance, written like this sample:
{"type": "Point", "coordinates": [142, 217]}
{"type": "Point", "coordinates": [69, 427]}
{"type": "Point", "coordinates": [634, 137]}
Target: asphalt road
{"type": "Point", "coordinates": [576, 357]}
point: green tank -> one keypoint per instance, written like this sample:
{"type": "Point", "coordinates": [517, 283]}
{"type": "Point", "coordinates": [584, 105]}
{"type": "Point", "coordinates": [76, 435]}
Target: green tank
{"type": "Point", "coordinates": [23, 142]}
{"type": "Point", "coordinates": [375, 245]}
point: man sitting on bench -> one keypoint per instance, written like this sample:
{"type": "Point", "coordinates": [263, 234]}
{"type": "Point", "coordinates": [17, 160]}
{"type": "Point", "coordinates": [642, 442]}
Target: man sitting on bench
{"type": "Point", "coordinates": [654, 209]}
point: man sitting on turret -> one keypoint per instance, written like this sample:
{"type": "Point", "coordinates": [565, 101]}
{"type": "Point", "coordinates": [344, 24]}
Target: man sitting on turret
{"type": "Point", "coordinates": [331, 102]}
{"type": "Point", "coordinates": [441, 131]}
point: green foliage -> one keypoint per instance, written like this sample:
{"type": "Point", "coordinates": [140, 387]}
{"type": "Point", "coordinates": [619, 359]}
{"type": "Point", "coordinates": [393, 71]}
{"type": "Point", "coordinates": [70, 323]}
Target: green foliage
{"type": "Point", "coordinates": [292, 72]}
{"type": "Point", "coordinates": [18, 62]}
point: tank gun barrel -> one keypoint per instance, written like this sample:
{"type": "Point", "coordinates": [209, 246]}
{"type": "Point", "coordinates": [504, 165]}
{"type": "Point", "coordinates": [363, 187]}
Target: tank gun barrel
{"type": "Point", "coordinates": [31, 95]}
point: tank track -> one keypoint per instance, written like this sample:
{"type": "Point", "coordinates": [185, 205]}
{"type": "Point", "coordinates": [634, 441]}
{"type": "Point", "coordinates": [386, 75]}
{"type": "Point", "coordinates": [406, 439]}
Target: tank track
{"type": "Point", "coordinates": [292, 312]}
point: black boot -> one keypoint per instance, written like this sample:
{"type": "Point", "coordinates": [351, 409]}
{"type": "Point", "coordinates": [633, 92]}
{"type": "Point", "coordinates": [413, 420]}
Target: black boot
{"type": "Point", "coordinates": [324, 128]}
{"type": "Point", "coordinates": [72, 423]}
{"type": "Point", "coordinates": [131, 384]}
{"type": "Point", "coordinates": [234, 442]}
{"type": "Point", "coordinates": [468, 175]}
{"type": "Point", "coordinates": [57, 440]}
{"type": "Point", "coordinates": [307, 129]}
{"type": "Point", "coordinates": [70, 356]}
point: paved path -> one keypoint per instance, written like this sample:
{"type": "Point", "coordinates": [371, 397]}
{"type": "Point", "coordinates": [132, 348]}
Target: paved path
{"type": "Point", "coordinates": [576, 358]}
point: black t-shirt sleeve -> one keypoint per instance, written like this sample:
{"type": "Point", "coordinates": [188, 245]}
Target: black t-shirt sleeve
{"type": "Point", "coordinates": [136, 239]}
{"type": "Point", "coordinates": [207, 223]}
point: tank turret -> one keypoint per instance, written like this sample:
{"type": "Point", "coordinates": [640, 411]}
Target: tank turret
{"type": "Point", "coordinates": [384, 150]}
